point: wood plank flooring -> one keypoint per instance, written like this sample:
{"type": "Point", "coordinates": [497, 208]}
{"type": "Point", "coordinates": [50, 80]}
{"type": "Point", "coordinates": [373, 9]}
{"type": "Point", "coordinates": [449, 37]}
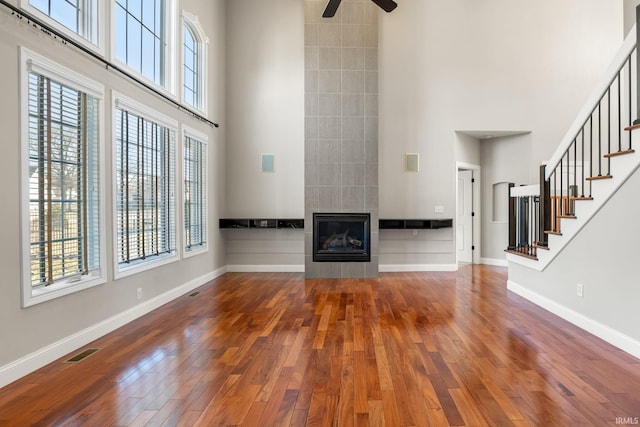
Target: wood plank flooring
{"type": "Point", "coordinates": [408, 349]}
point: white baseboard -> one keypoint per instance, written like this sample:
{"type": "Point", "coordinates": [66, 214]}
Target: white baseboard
{"type": "Point", "coordinates": [606, 333]}
{"type": "Point", "coordinates": [494, 261]}
{"type": "Point", "coordinates": [247, 268]}
{"type": "Point", "coordinates": [392, 268]}
{"type": "Point", "coordinates": [29, 363]}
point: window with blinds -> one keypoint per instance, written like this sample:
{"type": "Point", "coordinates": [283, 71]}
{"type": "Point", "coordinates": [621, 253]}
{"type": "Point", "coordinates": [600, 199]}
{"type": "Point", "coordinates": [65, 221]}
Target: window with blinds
{"type": "Point", "coordinates": [64, 212]}
{"type": "Point", "coordinates": [145, 189]}
{"type": "Point", "coordinates": [195, 194]}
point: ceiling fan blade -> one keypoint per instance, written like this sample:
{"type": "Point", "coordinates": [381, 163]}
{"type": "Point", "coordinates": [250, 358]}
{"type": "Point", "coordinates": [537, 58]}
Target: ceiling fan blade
{"type": "Point", "coordinates": [330, 10]}
{"type": "Point", "coordinates": [386, 5]}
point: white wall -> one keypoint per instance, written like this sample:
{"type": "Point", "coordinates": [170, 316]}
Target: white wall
{"type": "Point", "coordinates": [495, 65]}
{"type": "Point", "coordinates": [265, 108]}
{"type": "Point", "coordinates": [64, 321]}
{"type": "Point", "coordinates": [629, 14]}
{"type": "Point", "coordinates": [603, 257]}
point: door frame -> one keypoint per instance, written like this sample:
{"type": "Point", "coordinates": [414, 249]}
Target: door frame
{"type": "Point", "coordinates": [476, 193]}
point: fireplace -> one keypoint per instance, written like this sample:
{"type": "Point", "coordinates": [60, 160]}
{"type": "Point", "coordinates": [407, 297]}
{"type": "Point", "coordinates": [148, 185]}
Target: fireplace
{"type": "Point", "coordinates": [341, 237]}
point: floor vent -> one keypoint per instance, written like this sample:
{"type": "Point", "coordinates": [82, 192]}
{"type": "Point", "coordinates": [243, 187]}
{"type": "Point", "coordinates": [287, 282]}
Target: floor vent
{"type": "Point", "coordinates": [193, 294]}
{"type": "Point", "coordinates": [81, 356]}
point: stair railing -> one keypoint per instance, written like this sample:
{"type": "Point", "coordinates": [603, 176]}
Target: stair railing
{"type": "Point", "coordinates": [583, 156]}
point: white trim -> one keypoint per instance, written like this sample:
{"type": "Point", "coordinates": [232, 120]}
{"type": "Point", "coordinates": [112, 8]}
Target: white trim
{"type": "Point", "coordinates": [43, 356]}
{"type": "Point", "coordinates": [202, 40]}
{"type": "Point", "coordinates": [477, 208]}
{"type": "Point", "coordinates": [494, 261]}
{"type": "Point", "coordinates": [33, 62]}
{"type": "Point", "coordinates": [525, 190]}
{"type": "Point", "coordinates": [392, 268]}
{"type": "Point", "coordinates": [123, 102]}
{"type": "Point", "coordinates": [95, 40]}
{"type": "Point", "coordinates": [604, 332]}
{"type": "Point", "coordinates": [242, 268]}
{"type": "Point", "coordinates": [204, 139]}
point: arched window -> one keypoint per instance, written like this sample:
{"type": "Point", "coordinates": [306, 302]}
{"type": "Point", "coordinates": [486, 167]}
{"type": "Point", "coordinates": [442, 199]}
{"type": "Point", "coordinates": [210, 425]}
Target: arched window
{"type": "Point", "coordinates": [194, 44]}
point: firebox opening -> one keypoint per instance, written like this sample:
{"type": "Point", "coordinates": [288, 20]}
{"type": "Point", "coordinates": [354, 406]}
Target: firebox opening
{"type": "Point", "coordinates": [341, 237]}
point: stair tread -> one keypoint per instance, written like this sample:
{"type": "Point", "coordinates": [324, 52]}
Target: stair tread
{"type": "Point", "coordinates": [581, 198]}
{"type": "Point", "coordinates": [632, 127]}
{"type": "Point", "coordinates": [567, 216]}
{"type": "Point", "coordinates": [555, 233]}
{"type": "Point", "coordinates": [522, 254]}
{"type": "Point", "coordinates": [619, 153]}
{"type": "Point", "coordinates": [539, 246]}
{"type": "Point", "coordinates": [597, 177]}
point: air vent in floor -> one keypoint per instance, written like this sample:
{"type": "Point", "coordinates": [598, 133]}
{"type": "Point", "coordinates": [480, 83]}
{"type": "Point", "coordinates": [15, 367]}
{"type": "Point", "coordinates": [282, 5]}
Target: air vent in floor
{"type": "Point", "coordinates": [81, 356]}
{"type": "Point", "coordinates": [193, 294]}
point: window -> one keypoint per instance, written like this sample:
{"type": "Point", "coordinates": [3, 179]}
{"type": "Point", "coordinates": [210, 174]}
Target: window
{"type": "Point", "coordinates": [195, 192]}
{"type": "Point", "coordinates": [78, 16]}
{"type": "Point", "coordinates": [194, 63]}
{"type": "Point", "coordinates": [61, 181]}
{"type": "Point", "coordinates": [145, 186]}
{"type": "Point", "coordinates": [141, 37]}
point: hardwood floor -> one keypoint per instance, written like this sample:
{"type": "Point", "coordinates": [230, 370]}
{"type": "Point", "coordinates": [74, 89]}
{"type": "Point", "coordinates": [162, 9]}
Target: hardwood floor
{"type": "Point", "coordinates": [408, 349]}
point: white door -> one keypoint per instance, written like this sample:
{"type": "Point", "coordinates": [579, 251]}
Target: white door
{"type": "Point", "coordinates": [464, 218]}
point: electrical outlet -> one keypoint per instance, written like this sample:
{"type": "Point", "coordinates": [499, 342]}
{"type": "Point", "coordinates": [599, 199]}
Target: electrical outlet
{"type": "Point", "coordinates": [580, 290]}
{"type": "Point", "coordinates": [438, 209]}
{"type": "Point", "coordinates": [139, 293]}
{"type": "Point", "coordinates": [415, 232]}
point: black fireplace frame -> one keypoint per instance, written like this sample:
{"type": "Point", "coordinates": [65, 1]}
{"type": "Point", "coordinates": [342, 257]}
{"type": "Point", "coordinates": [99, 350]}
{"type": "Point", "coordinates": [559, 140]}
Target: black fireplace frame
{"type": "Point", "coordinates": [322, 255]}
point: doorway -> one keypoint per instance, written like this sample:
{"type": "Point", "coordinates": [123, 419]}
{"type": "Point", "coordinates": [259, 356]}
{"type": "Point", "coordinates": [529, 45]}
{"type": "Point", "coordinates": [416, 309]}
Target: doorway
{"type": "Point", "coordinates": [467, 213]}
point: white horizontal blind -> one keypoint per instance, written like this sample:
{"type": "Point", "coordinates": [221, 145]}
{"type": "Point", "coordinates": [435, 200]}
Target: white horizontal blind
{"type": "Point", "coordinates": [195, 194]}
{"type": "Point", "coordinates": [145, 183]}
{"type": "Point", "coordinates": [64, 214]}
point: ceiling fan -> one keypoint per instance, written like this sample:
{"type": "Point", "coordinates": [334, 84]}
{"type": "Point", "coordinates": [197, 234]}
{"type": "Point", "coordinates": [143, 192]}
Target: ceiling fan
{"type": "Point", "coordinates": [332, 7]}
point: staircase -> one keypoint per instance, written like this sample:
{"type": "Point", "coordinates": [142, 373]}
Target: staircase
{"type": "Point", "coordinates": [593, 161]}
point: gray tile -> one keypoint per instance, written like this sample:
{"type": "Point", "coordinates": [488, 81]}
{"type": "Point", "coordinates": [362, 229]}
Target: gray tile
{"type": "Point", "coordinates": [371, 104]}
{"type": "Point", "coordinates": [329, 58]}
{"type": "Point", "coordinates": [353, 81]}
{"type": "Point", "coordinates": [371, 82]}
{"type": "Point", "coordinates": [371, 130]}
{"type": "Point", "coordinates": [370, 35]}
{"type": "Point", "coordinates": [353, 128]}
{"type": "Point", "coordinates": [311, 58]}
{"type": "Point", "coordinates": [371, 197]}
{"type": "Point", "coordinates": [371, 58]}
{"type": "Point", "coordinates": [371, 13]}
{"type": "Point", "coordinates": [353, 198]}
{"type": "Point", "coordinates": [311, 127]}
{"type": "Point", "coordinates": [353, 152]}
{"type": "Point", "coordinates": [329, 127]}
{"type": "Point", "coordinates": [329, 81]}
{"type": "Point", "coordinates": [330, 35]}
{"type": "Point", "coordinates": [311, 81]}
{"type": "Point", "coordinates": [311, 34]}
{"type": "Point", "coordinates": [353, 58]}
{"type": "Point", "coordinates": [329, 198]}
{"type": "Point", "coordinates": [353, 104]}
{"type": "Point", "coordinates": [311, 174]}
{"type": "Point", "coordinates": [353, 174]}
{"type": "Point", "coordinates": [329, 104]}
{"type": "Point", "coordinates": [353, 36]}
{"type": "Point", "coordinates": [371, 175]}
{"type": "Point", "coordinates": [311, 104]}
{"type": "Point", "coordinates": [312, 12]}
{"type": "Point", "coordinates": [372, 268]}
{"type": "Point", "coordinates": [311, 151]}
{"type": "Point", "coordinates": [329, 174]}
{"type": "Point", "coordinates": [329, 151]}
{"type": "Point", "coordinates": [353, 270]}
{"type": "Point", "coordinates": [353, 13]}
{"type": "Point", "coordinates": [371, 151]}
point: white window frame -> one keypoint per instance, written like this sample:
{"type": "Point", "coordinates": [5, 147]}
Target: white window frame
{"type": "Point", "coordinates": [204, 139]}
{"type": "Point", "coordinates": [92, 24]}
{"type": "Point", "coordinates": [135, 107]}
{"type": "Point", "coordinates": [170, 60]}
{"type": "Point", "coordinates": [33, 62]}
{"type": "Point", "coordinates": [202, 41]}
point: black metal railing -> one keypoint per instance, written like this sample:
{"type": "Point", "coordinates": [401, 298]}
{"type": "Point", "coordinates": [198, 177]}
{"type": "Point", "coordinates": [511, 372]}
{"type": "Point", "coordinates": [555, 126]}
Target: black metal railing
{"type": "Point", "coordinates": [582, 159]}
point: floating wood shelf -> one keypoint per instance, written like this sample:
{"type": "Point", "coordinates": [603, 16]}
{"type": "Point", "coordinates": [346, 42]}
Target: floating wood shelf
{"type": "Point", "coordinates": [263, 223]}
{"type": "Point", "coordinates": [415, 224]}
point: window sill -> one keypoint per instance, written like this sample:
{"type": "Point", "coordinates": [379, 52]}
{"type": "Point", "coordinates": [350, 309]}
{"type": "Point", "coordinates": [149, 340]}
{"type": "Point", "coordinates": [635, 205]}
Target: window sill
{"type": "Point", "coordinates": [123, 270]}
{"type": "Point", "coordinates": [60, 289]}
{"type": "Point", "coordinates": [196, 251]}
